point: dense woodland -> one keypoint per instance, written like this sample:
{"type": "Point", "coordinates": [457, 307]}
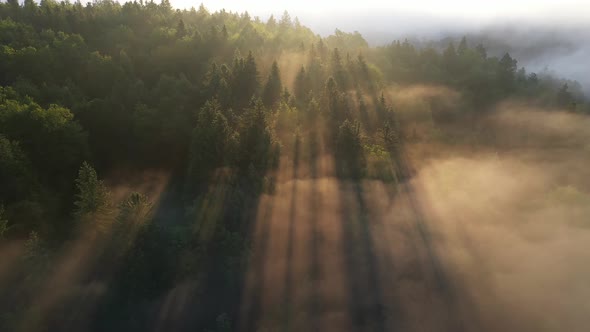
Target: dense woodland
{"type": "Point", "coordinates": [218, 102]}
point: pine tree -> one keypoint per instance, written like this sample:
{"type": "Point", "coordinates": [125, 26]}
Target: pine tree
{"type": "Point", "coordinates": [93, 198]}
{"type": "Point", "coordinates": [338, 70]}
{"type": "Point", "coordinates": [165, 4]}
{"type": "Point", "coordinates": [273, 87]}
{"type": "Point", "coordinates": [209, 144]}
{"type": "Point", "coordinates": [271, 24]}
{"type": "Point", "coordinates": [3, 222]}
{"type": "Point", "coordinates": [258, 150]}
{"type": "Point", "coordinates": [180, 29]}
{"type": "Point", "coordinates": [224, 33]}
{"type": "Point", "coordinates": [462, 48]}
{"type": "Point", "coordinates": [322, 50]}
{"type": "Point", "coordinates": [507, 72]}
{"type": "Point", "coordinates": [136, 210]}
{"type": "Point", "coordinates": [300, 88]}
{"type": "Point", "coordinates": [450, 59]}
{"type": "Point", "coordinates": [481, 50]}
{"type": "Point", "coordinates": [244, 80]}
{"type": "Point", "coordinates": [134, 214]}
{"type": "Point", "coordinates": [285, 22]}
{"type": "Point", "coordinates": [564, 97]}
{"type": "Point", "coordinates": [250, 83]}
{"type": "Point", "coordinates": [389, 136]}
{"type": "Point", "coordinates": [349, 150]}
{"type": "Point", "coordinates": [211, 82]}
{"type": "Point", "coordinates": [364, 73]}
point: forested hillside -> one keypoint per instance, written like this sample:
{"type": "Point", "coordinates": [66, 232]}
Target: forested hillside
{"type": "Point", "coordinates": [140, 146]}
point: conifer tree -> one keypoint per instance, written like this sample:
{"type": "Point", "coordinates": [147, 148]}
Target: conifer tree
{"type": "Point", "coordinates": [273, 87]}
{"type": "Point", "coordinates": [300, 88]}
{"type": "Point", "coordinates": [92, 198]}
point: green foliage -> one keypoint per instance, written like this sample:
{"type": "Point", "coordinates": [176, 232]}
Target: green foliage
{"type": "Point", "coordinates": [564, 97]}
{"type": "Point", "coordinates": [380, 165]}
{"type": "Point", "coordinates": [135, 214]}
{"type": "Point", "coordinates": [39, 149]}
{"type": "Point", "coordinates": [245, 81]}
{"type": "Point", "coordinates": [390, 136]}
{"type": "Point", "coordinates": [273, 88]}
{"type": "Point", "coordinates": [483, 80]}
{"type": "Point", "coordinates": [301, 86]}
{"type": "Point", "coordinates": [349, 150]}
{"type": "Point", "coordinates": [349, 42]}
{"type": "Point", "coordinates": [213, 143]}
{"type": "Point", "coordinates": [15, 172]}
{"type": "Point", "coordinates": [50, 137]}
{"type": "Point", "coordinates": [336, 102]}
{"type": "Point", "coordinates": [338, 71]}
{"type": "Point", "coordinates": [136, 210]}
{"type": "Point", "coordinates": [92, 200]}
{"type": "Point", "coordinates": [258, 149]}
{"type": "Point", "coordinates": [119, 84]}
{"type": "Point", "coordinates": [4, 227]}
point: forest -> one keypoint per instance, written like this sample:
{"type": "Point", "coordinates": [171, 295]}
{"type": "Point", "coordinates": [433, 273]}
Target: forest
{"type": "Point", "coordinates": [186, 170]}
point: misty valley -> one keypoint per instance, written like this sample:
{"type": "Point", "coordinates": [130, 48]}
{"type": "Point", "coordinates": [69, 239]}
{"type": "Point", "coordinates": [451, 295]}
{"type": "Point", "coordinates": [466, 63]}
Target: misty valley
{"type": "Point", "coordinates": [167, 169]}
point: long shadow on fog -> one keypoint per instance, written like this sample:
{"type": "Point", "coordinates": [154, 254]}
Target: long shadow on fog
{"type": "Point", "coordinates": [366, 304]}
{"type": "Point", "coordinates": [247, 214]}
{"type": "Point", "coordinates": [250, 319]}
{"type": "Point", "coordinates": [314, 204]}
{"type": "Point", "coordinates": [194, 303]}
{"type": "Point", "coordinates": [125, 299]}
{"type": "Point", "coordinates": [288, 283]}
{"type": "Point", "coordinates": [443, 285]}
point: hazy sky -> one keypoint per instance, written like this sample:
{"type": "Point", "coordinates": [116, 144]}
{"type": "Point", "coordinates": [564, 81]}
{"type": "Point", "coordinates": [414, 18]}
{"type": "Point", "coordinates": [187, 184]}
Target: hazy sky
{"type": "Point", "coordinates": [559, 10]}
{"type": "Point", "coordinates": [412, 17]}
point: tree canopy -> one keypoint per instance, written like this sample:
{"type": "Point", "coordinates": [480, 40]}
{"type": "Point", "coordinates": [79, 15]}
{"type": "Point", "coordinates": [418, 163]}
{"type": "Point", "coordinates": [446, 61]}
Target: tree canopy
{"type": "Point", "coordinates": [93, 96]}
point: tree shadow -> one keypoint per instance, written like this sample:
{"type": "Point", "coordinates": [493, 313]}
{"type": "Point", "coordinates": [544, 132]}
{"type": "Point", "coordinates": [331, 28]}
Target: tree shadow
{"type": "Point", "coordinates": [366, 304]}
{"type": "Point", "coordinates": [153, 289]}
{"type": "Point", "coordinates": [288, 282]}
{"type": "Point", "coordinates": [314, 204]}
{"type": "Point", "coordinates": [443, 285]}
{"type": "Point", "coordinates": [145, 271]}
{"type": "Point", "coordinates": [253, 290]}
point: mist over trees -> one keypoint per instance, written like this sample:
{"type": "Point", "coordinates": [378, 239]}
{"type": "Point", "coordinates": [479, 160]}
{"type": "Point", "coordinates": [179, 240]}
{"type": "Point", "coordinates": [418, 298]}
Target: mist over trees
{"type": "Point", "coordinates": [219, 102]}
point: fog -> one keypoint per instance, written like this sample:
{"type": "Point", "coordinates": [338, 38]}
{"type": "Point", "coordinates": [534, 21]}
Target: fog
{"type": "Point", "coordinates": [464, 216]}
{"type": "Point", "coordinates": [482, 238]}
{"type": "Point", "coordinates": [545, 36]}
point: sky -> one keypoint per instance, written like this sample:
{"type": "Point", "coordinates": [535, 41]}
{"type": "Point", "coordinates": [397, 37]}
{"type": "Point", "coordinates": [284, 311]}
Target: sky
{"type": "Point", "coordinates": [380, 21]}
{"type": "Point", "coordinates": [553, 10]}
